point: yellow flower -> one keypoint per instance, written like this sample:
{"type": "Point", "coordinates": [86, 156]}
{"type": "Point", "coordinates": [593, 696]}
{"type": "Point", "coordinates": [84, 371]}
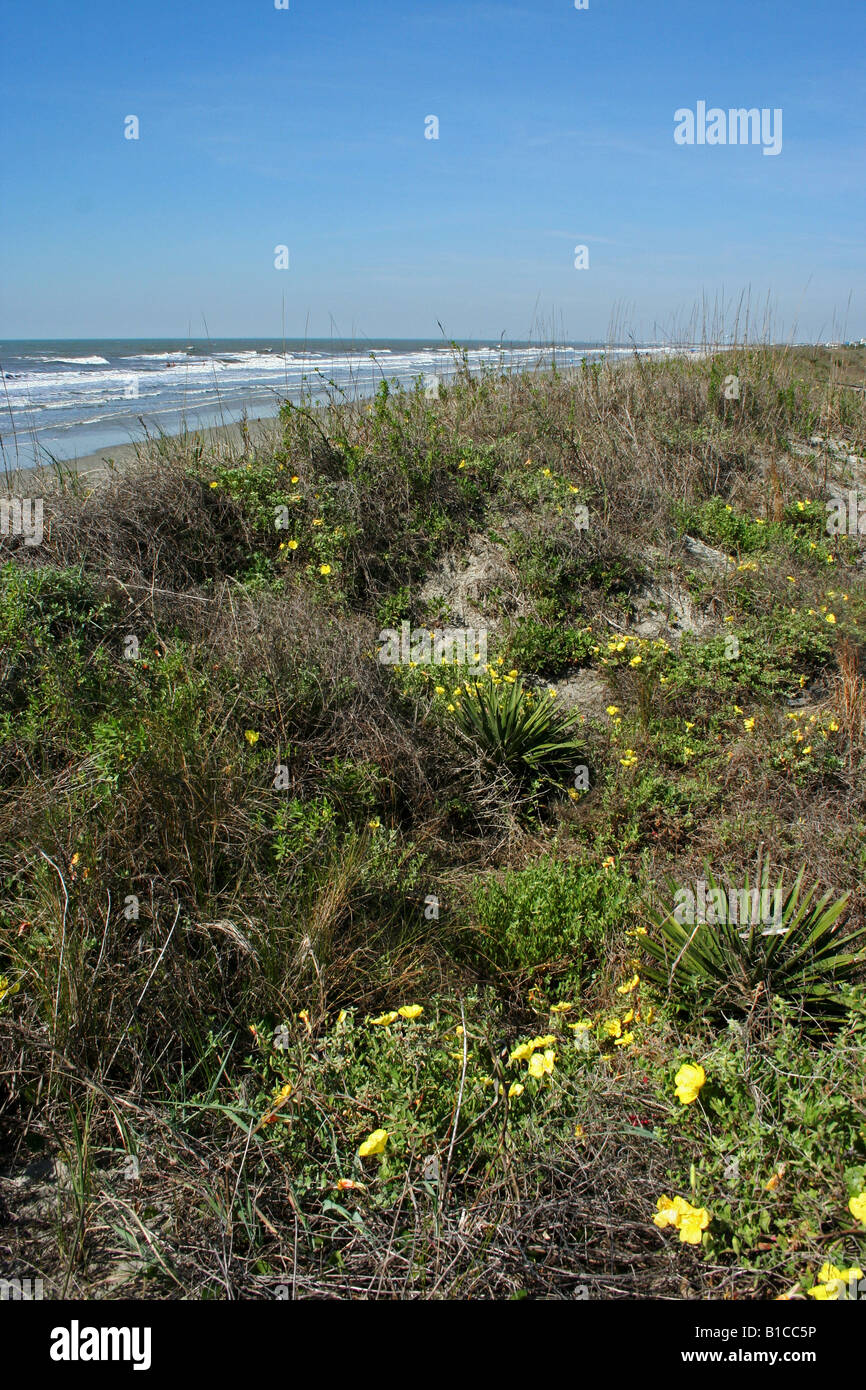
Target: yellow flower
{"type": "Point", "coordinates": [293, 545]}
{"type": "Point", "coordinates": [541, 1062]}
{"type": "Point", "coordinates": [515, 1089]}
{"type": "Point", "coordinates": [612, 710]}
{"type": "Point", "coordinates": [690, 1221]}
{"type": "Point", "coordinates": [613, 1027]}
{"type": "Point", "coordinates": [251, 737]}
{"type": "Point", "coordinates": [324, 569]}
{"type": "Point", "coordinates": [692, 1224]}
{"type": "Point", "coordinates": [385, 1019]}
{"type": "Point", "coordinates": [608, 863]}
{"type": "Point", "coordinates": [579, 1131]}
{"type": "Point", "coordinates": [525, 1050]}
{"type": "Point", "coordinates": [214, 484]}
{"type": "Point", "coordinates": [561, 1008]}
{"type": "Point", "coordinates": [411, 1011]}
{"type": "Point", "coordinates": [629, 985]}
{"type": "Point", "coordinates": [375, 1144]}
{"type": "Point", "coordinates": [831, 617]}
{"type": "Point", "coordinates": [749, 724]}
{"type": "Point", "coordinates": [283, 1093]}
{"type": "Point", "coordinates": [856, 1206]}
{"type": "Point", "coordinates": [295, 479]}
{"type": "Point", "coordinates": [832, 1281]}
{"type": "Point", "coordinates": [582, 1026]}
{"type": "Point", "coordinates": [440, 689]}
{"type": "Point", "coordinates": [667, 1213]}
{"type": "Point", "coordinates": [689, 1080]}
{"type": "Point", "coordinates": [624, 1041]}
{"type": "Point", "coordinates": [317, 521]}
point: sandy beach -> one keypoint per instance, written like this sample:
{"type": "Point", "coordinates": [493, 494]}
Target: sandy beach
{"type": "Point", "coordinates": [93, 469]}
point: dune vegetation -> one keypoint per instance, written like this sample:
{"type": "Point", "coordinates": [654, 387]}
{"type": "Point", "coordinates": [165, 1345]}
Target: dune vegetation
{"type": "Point", "coordinates": [323, 976]}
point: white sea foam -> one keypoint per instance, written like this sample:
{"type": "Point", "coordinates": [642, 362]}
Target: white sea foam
{"type": "Point", "coordinates": [74, 361]}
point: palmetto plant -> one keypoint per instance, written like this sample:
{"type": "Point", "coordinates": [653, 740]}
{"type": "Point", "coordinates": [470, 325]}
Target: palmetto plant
{"type": "Point", "coordinates": [736, 967]}
{"type": "Point", "coordinates": [522, 730]}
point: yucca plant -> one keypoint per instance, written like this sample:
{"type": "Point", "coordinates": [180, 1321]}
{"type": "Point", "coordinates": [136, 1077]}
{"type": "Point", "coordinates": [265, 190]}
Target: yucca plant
{"type": "Point", "coordinates": [733, 967]}
{"type": "Point", "coordinates": [522, 730]}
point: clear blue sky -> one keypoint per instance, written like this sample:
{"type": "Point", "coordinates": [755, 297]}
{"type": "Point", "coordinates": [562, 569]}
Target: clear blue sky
{"type": "Point", "coordinates": [305, 127]}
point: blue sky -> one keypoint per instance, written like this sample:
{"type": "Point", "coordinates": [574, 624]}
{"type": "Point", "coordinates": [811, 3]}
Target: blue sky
{"type": "Point", "coordinates": [305, 127]}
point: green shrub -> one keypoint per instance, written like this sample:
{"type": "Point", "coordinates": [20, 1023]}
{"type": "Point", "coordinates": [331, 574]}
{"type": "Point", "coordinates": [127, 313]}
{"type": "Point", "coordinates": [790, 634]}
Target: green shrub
{"type": "Point", "coordinates": [551, 919]}
{"type": "Point", "coordinates": [780, 1148]}
{"type": "Point", "coordinates": [546, 649]}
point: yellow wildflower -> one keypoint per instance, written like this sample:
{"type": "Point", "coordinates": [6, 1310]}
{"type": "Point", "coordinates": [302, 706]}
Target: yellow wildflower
{"type": "Point", "coordinates": [689, 1080]}
{"type": "Point", "coordinates": [375, 1144]}
{"type": "Point", "coordinates": [857, 1208]}
{"type": "Point", "coordinates": [541, 1063]}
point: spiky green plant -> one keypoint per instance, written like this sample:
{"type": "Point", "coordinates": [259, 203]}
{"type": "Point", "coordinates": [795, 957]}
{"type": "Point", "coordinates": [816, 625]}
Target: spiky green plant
{"type": "Point", "coordinates": [522, 730]}
{"type": "Point", "coordinates": [728, 967]}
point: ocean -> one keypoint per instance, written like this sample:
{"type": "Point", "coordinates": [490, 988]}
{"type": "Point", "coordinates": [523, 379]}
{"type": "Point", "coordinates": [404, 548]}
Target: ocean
{"type": "Point", "coordinates": [65, 399]}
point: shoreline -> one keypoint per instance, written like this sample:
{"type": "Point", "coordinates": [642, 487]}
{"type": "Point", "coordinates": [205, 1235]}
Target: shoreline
{"type": "Point", "coordinates": [102, 464]}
